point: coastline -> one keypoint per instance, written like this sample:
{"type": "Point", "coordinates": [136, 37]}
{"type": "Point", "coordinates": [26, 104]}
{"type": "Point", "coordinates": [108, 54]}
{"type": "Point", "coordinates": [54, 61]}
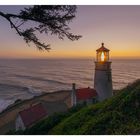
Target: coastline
{"type": "Point", "coordinates": [8, 116]}
{"type": "Point", "coordinates": [61, 99]}
{"type": "Point", "coordinates": [20, 101]}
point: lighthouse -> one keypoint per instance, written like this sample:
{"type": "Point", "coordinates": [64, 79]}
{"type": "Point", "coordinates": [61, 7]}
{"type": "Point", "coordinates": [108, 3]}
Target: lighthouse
{"type": "Point", "coordinates": [103, 75]}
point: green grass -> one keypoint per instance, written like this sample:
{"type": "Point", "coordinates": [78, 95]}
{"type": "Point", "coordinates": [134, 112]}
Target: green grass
{"type": "Point", "coordinates": [118, 115]}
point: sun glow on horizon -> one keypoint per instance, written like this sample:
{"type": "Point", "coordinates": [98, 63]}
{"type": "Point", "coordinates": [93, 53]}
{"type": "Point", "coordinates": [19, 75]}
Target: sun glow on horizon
{"type": "Point", "coordinates": [64, 53]}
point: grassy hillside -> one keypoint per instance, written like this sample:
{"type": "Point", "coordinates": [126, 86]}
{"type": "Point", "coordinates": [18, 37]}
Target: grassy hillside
{"type": "Point", "coordinates": [117, 115]}
{"type": "Point", "coordinates": [45, 125]}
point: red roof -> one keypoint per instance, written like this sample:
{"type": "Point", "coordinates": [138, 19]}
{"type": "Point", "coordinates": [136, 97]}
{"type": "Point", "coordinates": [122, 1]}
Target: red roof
{"type": "Point", "coordinates": [85, 93]}
{"type": "Point", "coordinates": [32, 114]}
{"type": "Point", "coordinates": [102, 48]}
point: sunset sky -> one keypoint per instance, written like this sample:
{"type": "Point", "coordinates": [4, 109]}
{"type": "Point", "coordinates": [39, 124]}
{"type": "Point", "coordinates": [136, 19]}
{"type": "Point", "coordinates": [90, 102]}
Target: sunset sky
{"type": "Point", "coordinates": [117, 26]}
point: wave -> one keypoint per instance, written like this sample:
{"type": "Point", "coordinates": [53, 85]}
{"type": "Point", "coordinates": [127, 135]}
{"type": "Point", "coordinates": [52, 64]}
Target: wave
{"type": "Point", "coordinates": [6, 85]}
{"type": "Point", "coordinates": [120, 82]}
{"type": "Point", "coordinates": [40, 79]}
{"type": "Point", "coordinates": [34, 91]}
{"type": "Point", "coordinates": [11, 87]}
{"type": "Point", "coordinates": [9, 96]}
{"type": "Point", "coordinates": [5, 103]}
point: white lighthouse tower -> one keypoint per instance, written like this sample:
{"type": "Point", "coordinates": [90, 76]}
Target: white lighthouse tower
{"type": "Point", "coordinates": [103, 76]}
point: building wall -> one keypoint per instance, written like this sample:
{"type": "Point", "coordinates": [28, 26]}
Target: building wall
{"type": "Point", "coordinates": [73, 95]}
{"type": "Point", "coordinates": [88, 101]}
{"type": "Point", "coordinates": [19, 125]}
{"type": "Point", "coordinates": [103, 81]}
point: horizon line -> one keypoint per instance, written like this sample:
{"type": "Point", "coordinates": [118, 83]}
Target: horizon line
{"type": "Point", "coordinates": [137, 57]}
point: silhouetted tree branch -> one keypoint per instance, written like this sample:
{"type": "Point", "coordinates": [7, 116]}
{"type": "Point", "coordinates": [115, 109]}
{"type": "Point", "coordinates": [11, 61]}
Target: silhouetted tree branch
{"type": "Point", "coordinates": [46, 19]}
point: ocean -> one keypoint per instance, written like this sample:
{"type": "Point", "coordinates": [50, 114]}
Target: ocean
{"type": "Point", "coordinates": [25, 78]}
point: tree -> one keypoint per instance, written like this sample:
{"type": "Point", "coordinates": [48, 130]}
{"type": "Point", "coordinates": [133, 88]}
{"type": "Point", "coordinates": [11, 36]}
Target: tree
{"type": "Point", "coordinates": [48, 19]}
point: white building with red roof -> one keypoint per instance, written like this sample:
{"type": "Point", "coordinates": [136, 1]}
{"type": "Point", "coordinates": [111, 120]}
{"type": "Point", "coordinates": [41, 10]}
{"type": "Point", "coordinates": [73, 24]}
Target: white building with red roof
{"type": "Point", "coordinates": [30, 116]}
{"type": "Point", "coordinates": [83, 95]}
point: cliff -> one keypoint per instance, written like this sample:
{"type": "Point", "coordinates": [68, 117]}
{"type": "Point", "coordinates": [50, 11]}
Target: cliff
{"type": "Point", "coordinates": [50, 101]}
{"type": "Point", "coordinates": [117, 115]}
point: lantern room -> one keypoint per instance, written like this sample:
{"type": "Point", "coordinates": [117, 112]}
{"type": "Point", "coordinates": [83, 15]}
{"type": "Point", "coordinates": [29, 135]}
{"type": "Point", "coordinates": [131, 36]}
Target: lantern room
{"type": "Point", "coordinates": [102, 54]}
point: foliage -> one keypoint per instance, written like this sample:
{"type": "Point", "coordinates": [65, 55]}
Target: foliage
{"type": "Point", "coordinates": [48, 19]}
{"type": "Point", "coordinates": [117, 115]}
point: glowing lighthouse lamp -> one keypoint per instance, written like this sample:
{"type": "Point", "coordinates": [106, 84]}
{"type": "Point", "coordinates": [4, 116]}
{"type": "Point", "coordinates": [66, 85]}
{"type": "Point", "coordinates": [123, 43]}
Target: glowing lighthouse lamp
{"type": "Point", "coordinates": [102, 54]}
{"type": "Point", "coordinates": [103, 76]}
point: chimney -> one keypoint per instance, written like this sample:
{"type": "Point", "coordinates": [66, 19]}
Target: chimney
{"type": "Point", "coordinates": [73, 95]}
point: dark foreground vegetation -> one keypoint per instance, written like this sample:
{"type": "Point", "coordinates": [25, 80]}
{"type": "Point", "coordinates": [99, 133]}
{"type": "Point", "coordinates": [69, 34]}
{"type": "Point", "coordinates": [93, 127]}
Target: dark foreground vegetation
{"type": "Point", "coordinates": [117, 115]}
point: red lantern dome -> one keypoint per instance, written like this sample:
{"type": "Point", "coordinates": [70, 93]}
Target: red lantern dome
{"type": "Point", "coordinates": [102, 54]}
